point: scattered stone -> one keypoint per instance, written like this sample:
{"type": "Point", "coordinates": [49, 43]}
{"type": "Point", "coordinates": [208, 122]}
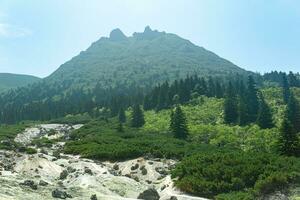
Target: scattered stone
{"type": "Point", "coordinates": [116, 167]}
{"type": "Point", "coordinates": [94, 197]}
{"type": "Point", "coordinates": [128, 175]}
{"type": "Point", "coordinates": [71, 170]}
{"type": "Point", "coordinates": [29, 183]}
{"type": "Point", "coordinates": [43, 183]}
{"type": "Point", "coordinates": [150, 194]}
{"type": "Point", "coordinates": [144, 171]}
{"type": "Point", "coordinates": [161, 171]}
{"type": "Point", "coordinates": [63, 175]}
{"type": "Point", "coordinates": [135, 167]}
{"type": "Point", "coordinates": [88, 171]}
{"type": "Point", "coordinates": [136, 178]}
{"type": "Point", "coordinates": [60, 194]}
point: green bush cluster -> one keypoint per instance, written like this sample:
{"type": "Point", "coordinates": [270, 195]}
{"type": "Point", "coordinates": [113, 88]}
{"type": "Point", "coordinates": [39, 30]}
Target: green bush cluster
{"type": "Point", "coordinates": [225, 174]}
{"type": "Point", "coordinates": [101, 140]}
{"type": "Point", "coordinates": [43, 142]}
{"type": "Point", "coordinates": [8, 133]}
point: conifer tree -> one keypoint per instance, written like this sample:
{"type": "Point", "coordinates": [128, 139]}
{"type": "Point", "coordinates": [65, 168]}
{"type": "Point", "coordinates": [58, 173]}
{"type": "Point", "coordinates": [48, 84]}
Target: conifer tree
{"type": "Point", "coordinates": [137, 118]}
{"type": "Point", "coordinates": [293, 81]}
{"type": "Point", "coordinates": [293, 112]}
{"type": "Point", "coordinates": [242, 111]}
{"type": "Point", "coordinates": [252, 101]}
{"type": "Point", "coordinates": [211, 87]}
{"type": "Point", "coordinates": [288, 143]}
{"type": "Point", "coordinates": [230, 106]}
{"type": "Point", "coordinates": [122, 115]}
{"type": "Point", "coordinates": [147, 103]}
{"type": "Point", "coordinates": [242, 104]}
{"type": "Point", "coordinates": [285, 88]}
{"type": "Point", "coordinates": [219, 90]}
{"type": "Point", "coordinates": [265, 118]}
{"type": "Point", "coordinates": [178, 123]}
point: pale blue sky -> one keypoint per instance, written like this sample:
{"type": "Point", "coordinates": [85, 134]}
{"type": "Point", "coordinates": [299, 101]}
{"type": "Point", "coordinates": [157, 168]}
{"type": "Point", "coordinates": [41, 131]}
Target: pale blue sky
{"type": "Point", "coordinates": [36, 37]}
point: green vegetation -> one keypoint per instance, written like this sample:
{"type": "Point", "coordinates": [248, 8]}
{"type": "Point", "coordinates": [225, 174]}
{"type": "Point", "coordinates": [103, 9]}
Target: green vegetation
{"type": "Point", "coordinates": [234, 135]}
{"type": "Point", "coordinates": [8, 133]}
{"type": "Point", "coordinates": [9, 81]}
{"type": "Point", "coordinates": [30, 151]}
{"type": "Point", "coordinates": [100, 140]}
{"type": "Point", "coordinates": [137, 117]}
{"type": "Point", "coordinates": [245, 155]}
{"type": "Point", "coordinates": [178, 123]}
{"type": "Point", "coordinates": [214, 173]}
{"type": "Point", "coordinates": [43, 142]}
{"type": "Point", "coordinates": [143, 59]}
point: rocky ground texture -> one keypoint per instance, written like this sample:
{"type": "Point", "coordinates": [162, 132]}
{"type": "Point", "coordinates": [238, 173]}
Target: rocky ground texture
{"type": "Point", "coordinates": [50, 175]}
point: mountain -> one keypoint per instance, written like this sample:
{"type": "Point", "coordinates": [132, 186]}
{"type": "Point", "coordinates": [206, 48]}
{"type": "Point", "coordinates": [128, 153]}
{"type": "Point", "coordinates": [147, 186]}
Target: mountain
{"type": "Point", "coordinates": [8, 81]}
{"type": "Point", "coordinates": [143, 59]}
{"type": "Point", "coordinates": [118, 69]}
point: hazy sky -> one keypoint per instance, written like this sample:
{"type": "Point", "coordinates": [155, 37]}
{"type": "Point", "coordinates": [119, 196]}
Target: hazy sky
{"type": "Point", "coordinates": [36, 37]}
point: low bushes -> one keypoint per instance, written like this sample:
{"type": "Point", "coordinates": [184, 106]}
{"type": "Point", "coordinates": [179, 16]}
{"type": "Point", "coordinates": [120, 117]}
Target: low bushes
{"type": "Point", "coordinates": [214, 173]}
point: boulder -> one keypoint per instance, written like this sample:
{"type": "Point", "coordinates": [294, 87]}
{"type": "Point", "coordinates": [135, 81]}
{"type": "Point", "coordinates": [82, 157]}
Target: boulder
{"type": "Point", "coordinates": [88, 171]}
{"type": "Point", "coordinates": [116, 167]}
{"type": "Point", "coordinates": [144, 171]}
{"type": "Point", "coordinates": [94, 197]}
{"type": "Point", "coordinates": [135, 167]}
{"type": "Point", "coordinates": [63, 175]}
{"type": "Point", "coordinates": [29, 183]}
{"type": "Point", "coordinates": [60, 194]}
{"type": "Point", "coordinates": [43, 183]}
{"type": "Point", "coordinates": [150, 194]}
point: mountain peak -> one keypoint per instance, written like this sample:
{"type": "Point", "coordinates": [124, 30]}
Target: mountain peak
{"type": "Point", "coordinates": [147, 29]}
{"type": "Point", "coordinates": [117, 35]}
{"type": "Point", "coordinates": [148, 34]}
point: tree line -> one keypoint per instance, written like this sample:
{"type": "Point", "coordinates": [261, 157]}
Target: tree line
{"type": "Point", "coordinates": [44, 101]}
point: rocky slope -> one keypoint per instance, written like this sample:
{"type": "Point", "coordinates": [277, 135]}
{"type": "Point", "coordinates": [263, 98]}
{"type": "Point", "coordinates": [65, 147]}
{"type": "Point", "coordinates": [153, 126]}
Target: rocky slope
{"type": "Point", "coordinates": [49, 175]}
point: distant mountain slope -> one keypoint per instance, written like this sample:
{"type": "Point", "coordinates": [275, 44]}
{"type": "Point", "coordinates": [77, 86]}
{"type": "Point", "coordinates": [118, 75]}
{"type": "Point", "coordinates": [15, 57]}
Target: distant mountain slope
{"type": "Point", "coordinates": [143, 59]}
{"type": "Point", "coordinates": [8, 81]}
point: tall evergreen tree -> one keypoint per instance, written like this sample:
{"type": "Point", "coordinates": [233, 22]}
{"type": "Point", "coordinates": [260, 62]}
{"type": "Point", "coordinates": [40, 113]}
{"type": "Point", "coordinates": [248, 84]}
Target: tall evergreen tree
{"type": "Point", "coordinates": [252, 100]}
{"type": "Point", "coordinates": [293, 81]}
{"type": "Point", "coordinates": [242, 111]}
{"type": "Point", "coordinates": [288, 143]}
{"type": "Point", "coordinates": [178, 123]}
{"type": "Point", "coordinates": [242, 104]}
{"type": "Point", "coordinates": [285, 88]}
{"type": "Point", "coordinates": [265, 118]}
{"type": "Point", "coordinates": [137, 118]}
{"type": "Point", "coordinates": [219, 90]}
{"type": "Point", "coordinates": [230, 106]}
{"type": "Point", "coordinates": [293, 112]}
{"type": "Point", "coordinates": [211, 87]}
{"type": "Point", "coordinates": [122, 115]}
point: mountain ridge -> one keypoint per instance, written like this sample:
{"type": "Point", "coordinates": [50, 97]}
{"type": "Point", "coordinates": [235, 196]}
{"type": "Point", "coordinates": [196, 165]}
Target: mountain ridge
{"type": "Point", "coordinates": [143, 59]}
{"type": "Point", "coordinates": [11, 80]}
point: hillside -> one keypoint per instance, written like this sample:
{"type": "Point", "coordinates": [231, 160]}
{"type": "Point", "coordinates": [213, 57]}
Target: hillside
{"type": "Point", "coordinates": [144, 59]}
{"type": "Point", "coordinates": [8, 81]}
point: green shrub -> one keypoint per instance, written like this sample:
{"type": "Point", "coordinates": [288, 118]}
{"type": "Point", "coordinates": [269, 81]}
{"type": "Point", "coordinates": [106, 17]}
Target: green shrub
{"type": "Point", "coordinates": [236, 196]}
{"type": "Point", "coordinates": [31, 151]}
{"type": "Point", "coordinates": [43, 142]}
{"type": "Point", "coordinates": [218, 172]}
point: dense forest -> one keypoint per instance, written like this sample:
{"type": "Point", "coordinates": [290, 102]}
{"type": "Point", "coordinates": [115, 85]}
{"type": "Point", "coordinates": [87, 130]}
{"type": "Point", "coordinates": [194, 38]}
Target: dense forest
{"type": "Point", "coordinates": [42, 102]}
